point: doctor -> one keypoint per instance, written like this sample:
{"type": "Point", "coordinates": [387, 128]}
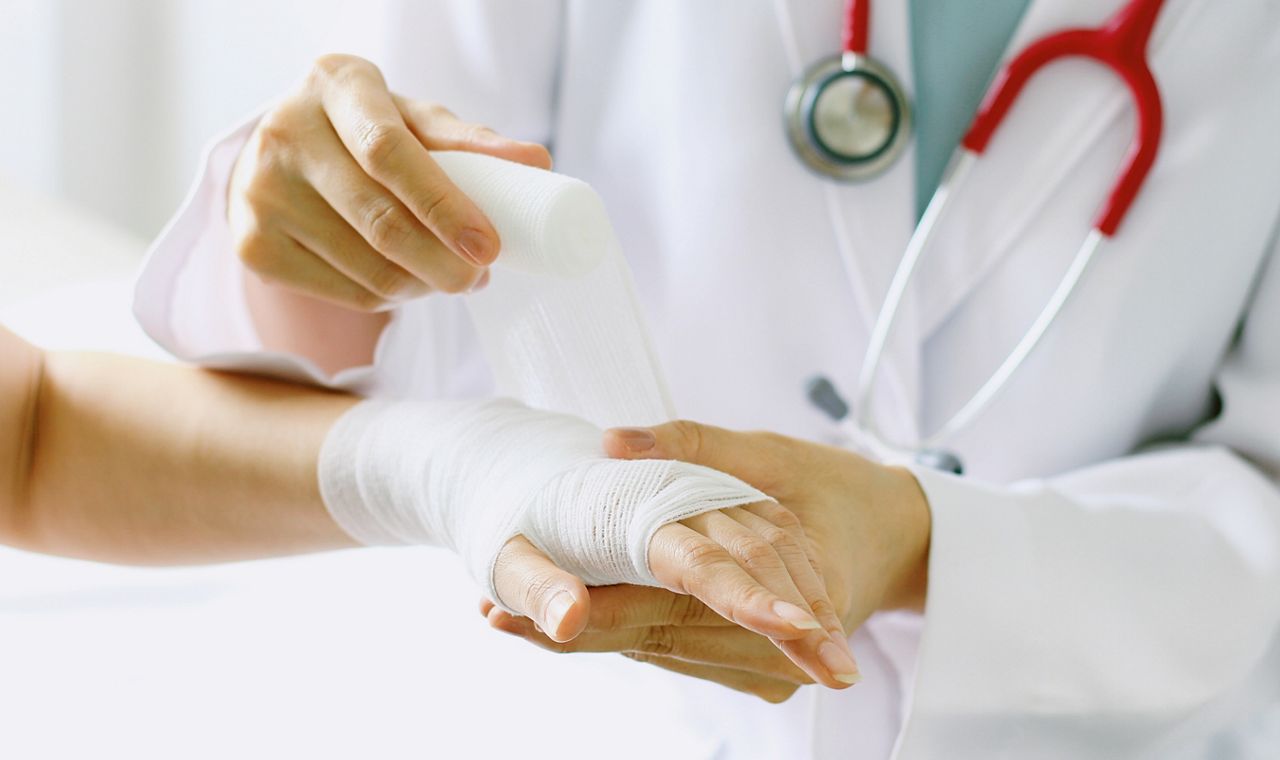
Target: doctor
{"type": "Point", "coordinates": [1105, 579]}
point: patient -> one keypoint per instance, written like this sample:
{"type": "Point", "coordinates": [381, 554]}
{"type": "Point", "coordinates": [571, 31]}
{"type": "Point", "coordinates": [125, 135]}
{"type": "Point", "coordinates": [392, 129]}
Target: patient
{"type": "Point", "coordinates": [121, 460]}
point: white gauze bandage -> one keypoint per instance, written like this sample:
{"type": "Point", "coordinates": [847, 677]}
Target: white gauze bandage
{"type": "Point", "coordinates": [563, 331]}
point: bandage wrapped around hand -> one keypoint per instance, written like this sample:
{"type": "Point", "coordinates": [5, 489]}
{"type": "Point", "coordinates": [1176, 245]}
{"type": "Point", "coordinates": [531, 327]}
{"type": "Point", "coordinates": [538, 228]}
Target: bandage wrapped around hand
{"type": "Point", "coordinates": [470, 475]}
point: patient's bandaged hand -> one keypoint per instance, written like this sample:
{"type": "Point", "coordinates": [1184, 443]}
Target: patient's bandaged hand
{"type": "Point", "coordinates": [471, 475]}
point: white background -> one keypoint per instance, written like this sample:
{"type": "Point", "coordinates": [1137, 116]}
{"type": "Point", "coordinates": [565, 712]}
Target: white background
{"type": "Point", "coordinates": [107, 102]}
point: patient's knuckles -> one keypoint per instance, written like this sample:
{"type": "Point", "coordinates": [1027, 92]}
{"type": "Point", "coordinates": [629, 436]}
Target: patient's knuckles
{"type": "Point", "coordinates": [779, 516]}
{"type": "Point", "coordinates": [783, 542]}
{"type": "Point", "coordinates": [755, 553]}
{"type": "Point", "coordinates": [697, 555]}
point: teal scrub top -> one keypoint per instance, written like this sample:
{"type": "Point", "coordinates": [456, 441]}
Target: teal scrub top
{"type": "Point", "coordinates": [955, 48]}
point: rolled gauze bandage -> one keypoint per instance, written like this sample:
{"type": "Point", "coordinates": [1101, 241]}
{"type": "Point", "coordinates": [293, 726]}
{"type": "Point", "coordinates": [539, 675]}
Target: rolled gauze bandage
{"type": "Point", "coordinates": [550, 224]}
{"type": "Point", "coordinates": [559, 322]}
{"type": "Point", "coordinates": [563, 331]}
{"type": "Point", "coordinates": [471, 475]}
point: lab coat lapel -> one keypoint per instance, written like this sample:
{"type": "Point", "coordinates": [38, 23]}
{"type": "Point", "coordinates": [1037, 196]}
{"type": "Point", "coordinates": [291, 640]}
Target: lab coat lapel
{"type": "Point", "coordinates": [1060, 116]}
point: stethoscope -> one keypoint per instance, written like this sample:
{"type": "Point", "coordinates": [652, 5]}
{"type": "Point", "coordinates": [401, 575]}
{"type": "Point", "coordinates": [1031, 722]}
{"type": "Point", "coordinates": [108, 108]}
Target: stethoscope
{"type": "Point", "coordinates": [848, 118]}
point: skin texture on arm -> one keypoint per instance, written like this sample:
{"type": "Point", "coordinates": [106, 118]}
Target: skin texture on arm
{"type": "Point", "coordinates": [127, 461]}
{"type": "Point", "coordinates": [20, 367]}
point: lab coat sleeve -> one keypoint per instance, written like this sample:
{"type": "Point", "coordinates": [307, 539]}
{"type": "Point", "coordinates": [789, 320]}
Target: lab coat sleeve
{"type": "Point", "coordinates": [1115, 610]}
{"type": "Point", "coordinates": [189, 295]}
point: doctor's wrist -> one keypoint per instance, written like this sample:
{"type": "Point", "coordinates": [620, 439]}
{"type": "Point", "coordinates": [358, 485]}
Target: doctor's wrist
{"type": "Point", "coordinates": [908, 504]}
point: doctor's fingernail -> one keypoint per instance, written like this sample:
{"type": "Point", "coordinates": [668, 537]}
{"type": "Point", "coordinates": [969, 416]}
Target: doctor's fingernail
{"type": "Point", "coordinates": [557, 608]}
{"type": "Point", "coordinates": [636, 439]}
{"type": "Point", "coordinates": [797, 617]}
{"type": "Point", "coordinates": [841, 665]}
{"type": "Point", "coordinates": [477, 247]}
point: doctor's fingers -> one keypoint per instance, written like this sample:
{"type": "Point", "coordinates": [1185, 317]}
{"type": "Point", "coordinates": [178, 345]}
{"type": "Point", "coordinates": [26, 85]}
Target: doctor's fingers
{"type": "Point", "coordinates": [281, 261]}
{"type": "Point", "coordinates": [316, 225]}
{"type": "Point", "coordinates": [528, 582]}
{"type": "Point", "coordinates": [438, 129]}
{"type": "Point", "coordinates": [389, 230]}
{"type": "Point", "coordinates": [724, 647]}
{"type": "Point", "coordinates": [365, 116]}
{"type": "Point", "coordinates": [773, 690]}
{"type": "Point", "coordinates": [775, 558]}
{"type": "Point", "coordinates": [767, 461]}
{"type": "Point", "coordinates": [625, 606]}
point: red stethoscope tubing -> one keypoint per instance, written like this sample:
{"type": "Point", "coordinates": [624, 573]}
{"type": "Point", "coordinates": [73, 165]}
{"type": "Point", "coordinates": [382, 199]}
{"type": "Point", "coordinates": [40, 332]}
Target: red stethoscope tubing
{"type": "Point", "coordinates": [1120, 44]}
{"type": "Point", "coordinates": [857, 26]}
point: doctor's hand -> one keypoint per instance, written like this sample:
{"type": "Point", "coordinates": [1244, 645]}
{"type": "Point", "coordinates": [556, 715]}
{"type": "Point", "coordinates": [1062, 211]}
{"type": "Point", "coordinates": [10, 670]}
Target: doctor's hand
{"type": "Point", "coordinates": [335, 196]}
{"type": "Point", "coordinates": [867, 524]}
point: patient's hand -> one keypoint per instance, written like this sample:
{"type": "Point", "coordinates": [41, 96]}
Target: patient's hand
{"type": "Point", "coordinates": [748, 572]}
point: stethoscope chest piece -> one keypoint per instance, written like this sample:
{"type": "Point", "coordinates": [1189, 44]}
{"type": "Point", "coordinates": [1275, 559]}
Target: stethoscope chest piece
{"type": "Point", "coordinates": [848, 117]}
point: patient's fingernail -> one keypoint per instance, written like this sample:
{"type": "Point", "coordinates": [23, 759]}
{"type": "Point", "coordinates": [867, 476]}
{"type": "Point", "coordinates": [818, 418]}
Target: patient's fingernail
{"type": "Point", "coordinates": [795, 616]}
{"type": "Point", "coordinates": [841, 665]}
{"type": "Point", "coordinates": [636, 439]}
{"type": "Point", "coordinates": [558, 607]}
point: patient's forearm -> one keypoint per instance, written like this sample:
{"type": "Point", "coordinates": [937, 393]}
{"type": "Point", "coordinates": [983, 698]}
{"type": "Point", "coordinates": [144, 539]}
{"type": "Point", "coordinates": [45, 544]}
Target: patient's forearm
{"type": "Point", "coordinates": [138, 462]}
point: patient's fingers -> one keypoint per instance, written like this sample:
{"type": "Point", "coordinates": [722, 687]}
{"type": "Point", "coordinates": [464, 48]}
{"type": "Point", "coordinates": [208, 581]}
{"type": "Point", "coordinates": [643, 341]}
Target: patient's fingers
{"type": "Point", "coordinates": [772, 690]}
{"type": "Point", "coordinates": [532, 585]}
{"type": "Point", "coordinates": [829, 650]}
{"type": "Point", "coordinates": [688, 562]}
{"type": "Point", "coordinates": [775, 559]}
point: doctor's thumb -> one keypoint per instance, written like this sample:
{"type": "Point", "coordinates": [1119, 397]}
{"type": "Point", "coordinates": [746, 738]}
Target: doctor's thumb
{"type": "Point", "coordinates": [528, 582]}
{"type": "Point", "coordinates": [686, 441]}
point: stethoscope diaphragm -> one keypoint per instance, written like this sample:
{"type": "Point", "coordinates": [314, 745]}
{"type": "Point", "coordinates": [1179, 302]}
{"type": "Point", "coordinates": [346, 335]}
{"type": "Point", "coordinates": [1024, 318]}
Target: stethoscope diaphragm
{"type": "Point", "coordinates": [848, 117]}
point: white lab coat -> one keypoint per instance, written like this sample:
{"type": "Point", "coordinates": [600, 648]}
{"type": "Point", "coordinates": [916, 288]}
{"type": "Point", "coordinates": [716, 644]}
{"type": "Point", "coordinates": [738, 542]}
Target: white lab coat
{"type": "Point", "coordinates": [1087, 598]}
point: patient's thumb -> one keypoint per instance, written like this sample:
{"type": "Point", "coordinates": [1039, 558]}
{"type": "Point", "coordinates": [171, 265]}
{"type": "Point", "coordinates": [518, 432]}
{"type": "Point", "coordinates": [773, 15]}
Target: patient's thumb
{"type": "Point", "coordinates": [531, 584]}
